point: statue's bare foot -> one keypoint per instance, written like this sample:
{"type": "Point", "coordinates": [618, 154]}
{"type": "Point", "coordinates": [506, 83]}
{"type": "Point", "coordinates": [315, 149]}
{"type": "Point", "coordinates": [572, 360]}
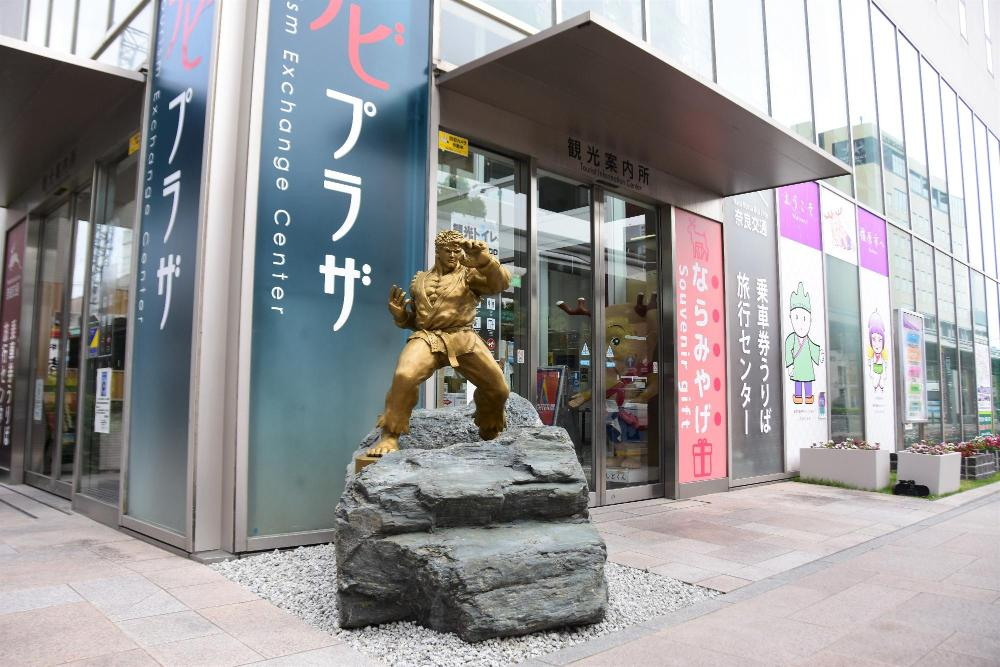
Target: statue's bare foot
{"type": "Point", "coordinates": [389, 443]}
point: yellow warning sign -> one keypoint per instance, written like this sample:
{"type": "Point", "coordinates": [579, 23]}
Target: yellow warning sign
{"type": "Point", "coordinates": [453, 143]}
{"type": "Point", "coordinates": [134, 143]}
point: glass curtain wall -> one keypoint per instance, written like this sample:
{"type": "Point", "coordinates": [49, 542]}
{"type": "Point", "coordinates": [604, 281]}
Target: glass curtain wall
{"type": "Point", "coordinates": [682, 30]}
{"type": "Point", "coordinates": [565, 337]}
{"type": "Point", "coordinates": [968, 407]}
{"type": "Point", "coordinates": [789, 75]}
{"type": "Point", "coordinates": [861, 96]}
{"type": "Point", "coordinates": [826, 51]}
{"type": "Point", "coordinates": [739, 50]}
{"type": "Point", "coordinates": [902, 296]}
{"type": "Point", "coordinates": [631, 324]}
{"type": "Point", "coordinates": [926, 304]}
{"type": "Point", "coordinates": [626, 14]}
{"type": "Point", "coordinates": [993, 318]}
{"type": "Point", "coordinates": [950, 389]}
{"type": "Point", "coordinates": [994, 148]}
{"type": "Point", "coordinates": [890, 115]}
{"type": "Point", "coordinates": [971, 182]}
{"type": "Point", "coordinates": [913, 130]}
{"type": "Point", "coordinates": [953, 160]}
{"type": "Point", "coordinates": [985, 200]}
{"type": "Point", "coordinates": [980, 330]}
{"type": "Point", "coordinates": [101, 435]}
{"type": "Point", "coordinates": [478, 195]}
{"type": "Point", "coordinates": [937, 175]}
{"type": "Point", "coordinates": [845, 362]}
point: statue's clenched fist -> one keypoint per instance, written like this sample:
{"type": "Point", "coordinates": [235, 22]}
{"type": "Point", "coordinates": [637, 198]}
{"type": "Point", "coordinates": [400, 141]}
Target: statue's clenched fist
{"type": "Point", "coordinates": [476, 253]}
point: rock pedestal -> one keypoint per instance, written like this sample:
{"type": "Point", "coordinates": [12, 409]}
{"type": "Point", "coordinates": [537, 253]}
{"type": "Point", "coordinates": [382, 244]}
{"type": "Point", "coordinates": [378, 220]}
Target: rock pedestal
{"type": "Point", "coordinates": [483, 539]}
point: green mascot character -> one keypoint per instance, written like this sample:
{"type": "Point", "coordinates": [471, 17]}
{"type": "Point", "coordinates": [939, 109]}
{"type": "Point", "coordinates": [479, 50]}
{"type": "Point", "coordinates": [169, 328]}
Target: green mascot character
{"type": "Point", "coordinates": [802, 353]}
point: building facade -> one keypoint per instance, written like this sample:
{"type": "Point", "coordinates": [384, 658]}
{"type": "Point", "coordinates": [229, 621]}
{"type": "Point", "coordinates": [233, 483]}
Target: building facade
{"type": "Point", "coordinates": [734, 229]}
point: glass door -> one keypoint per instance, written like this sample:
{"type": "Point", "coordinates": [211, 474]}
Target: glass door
{"type": "Point", "coordinates": [630, 257]}
{"type": "Point", "coordinates": [55, 372]}
{"type": "Point", "coordinates": [102, 391]}
{"type": "Point", "coordinates": [566, 347]}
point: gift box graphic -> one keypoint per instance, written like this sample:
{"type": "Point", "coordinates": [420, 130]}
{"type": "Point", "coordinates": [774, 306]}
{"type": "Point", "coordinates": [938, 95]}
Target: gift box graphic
{"type": "Point", "coordinates": [701, 455]}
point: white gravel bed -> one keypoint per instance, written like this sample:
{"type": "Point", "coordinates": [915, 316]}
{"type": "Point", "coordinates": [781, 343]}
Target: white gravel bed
{"type": "Point", "coordinates": [303, 582]}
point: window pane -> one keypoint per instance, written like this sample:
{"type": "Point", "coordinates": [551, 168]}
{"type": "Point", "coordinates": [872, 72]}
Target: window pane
{"type": "Point", "coordinates": [995, 190]}
{"type": "Point", "coordinates": [926, 302]}
{"type": "Point", "coordinates": [682, 29]}
{"type": "Point", "coordinates": [789, 74]}
{"type": "Point", "coordinates": [537, 13]}
{"type": "Point", "coordinates": [847, 401]}
{"type": "Point", "coordinates": [985, 200]}
{"type": "Point", "coordinates": [122, 8]}
{"type": "Point", "coordinates": [565, 340]}
{"type": "Point", "coordinates": [61, 25]}
{"type": "Point", "coordinates": [935, 156]}
{"type": "Point", "coordinates": [916, 148]}
{"type": "Point", "coordinates": [739, 50]}
{"type": "Point", "coordinates": [829, 96]}
{"type": "Point", "coordinates": [92, 25]}
{"type": "Point", "coordinates": [950, 386]}
{"type": "Point", "coordinates": [861, 95]}
{"type": "Point", "coordinates": [966, 353]}
{"type": "Point", "coordinates": [890, 117]}
{"type": "Point", "coordinates": [953, 158]}
{"type": "Point", "coordinates": [901, 269]}
{"type": "Point", "coordinates": [131, 47]}
{"type": "Point", "coordinates": [12, 18]}
{"type": "Point", "coordinates": [466, 34]}
{"type": "Point", "coordinates": [993, 316]}
{"type": "Point", "coordinates": [38, 22]}
{"type": "Point", "coordinates": [632, 368]}
{"type": "Point", "coordinates": [626, 14]}
{"type": "Point", "coordinates": [971, 182]}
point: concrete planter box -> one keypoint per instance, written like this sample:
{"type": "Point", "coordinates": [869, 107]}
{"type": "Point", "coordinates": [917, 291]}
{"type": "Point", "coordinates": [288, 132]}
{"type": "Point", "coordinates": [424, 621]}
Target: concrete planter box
{"type": "Point", "coordinates": [859, 468]}
{"type": "Point", "coordinates": [979, 466]}
{"type": "Point", "coordinates": [940, 474]}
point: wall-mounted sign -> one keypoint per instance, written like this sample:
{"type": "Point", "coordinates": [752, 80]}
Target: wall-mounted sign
{"type": "Point", "coordinates": [102, 401]}
{"type": "Point", "coordinates": [700, 307]}
{"type": "Point", "coordinates": [169, 223]}
{"type": "Point", "coordinates": [912, 373]}
{"type": "Point", "coordinates": [754, 344]}
{"type": "Point", "coordinates": [135, 143]}
{"type": "Point", "coordinates": [10, 316]}
{"type": "Point", "coordinates": [453, 143]}
{"type": "Point", "coordinates": [341, 192]}
{"type": "Point", "coordinates": [876, 331]}
{"type": "Point", "coordinates": [607, 165]}
{"type": "Point", "coordinates": [984, 390]}
{"type": "Point", "coordinates": [840, 238]}
{"type": "Point", "coordinates": [803, 319]}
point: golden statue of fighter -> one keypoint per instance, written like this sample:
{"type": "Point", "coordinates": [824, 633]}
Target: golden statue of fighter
{"type": "Point", "coordinates": [441, 312]}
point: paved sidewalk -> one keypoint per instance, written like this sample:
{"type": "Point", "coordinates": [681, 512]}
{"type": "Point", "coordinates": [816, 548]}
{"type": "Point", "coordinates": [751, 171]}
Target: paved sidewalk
{"type": "Point", "coordinates": [815, 575]}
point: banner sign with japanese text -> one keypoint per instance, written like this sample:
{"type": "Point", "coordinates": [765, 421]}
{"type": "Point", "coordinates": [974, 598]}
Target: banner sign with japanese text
{"type": "Point", "coordinates": [700, 306]}
{"type": "Point", "coordinates": [341, 208]}
{"type": "Point", "coordinates": [984, 390]}
{"type": "Point", "coordinates": [803, 319]}
{"type": "Point", "coordinates": [170, 211]}
{"type": "Point", "coordinates": [755, 350]}
{"type": "Point", "coordinates": [10, 316]}
{"type": "Point", "coordinates": [912, 366]}
{"type": "Point", "coordinates": [876, 331]}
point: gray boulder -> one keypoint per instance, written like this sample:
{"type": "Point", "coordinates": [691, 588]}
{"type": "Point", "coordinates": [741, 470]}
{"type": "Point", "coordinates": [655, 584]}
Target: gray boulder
{"type": "Point", "coordinates": [483, 539]}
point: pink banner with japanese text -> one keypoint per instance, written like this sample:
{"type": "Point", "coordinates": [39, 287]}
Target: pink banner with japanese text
{"type": "Point", "coordinates": [701, 338]}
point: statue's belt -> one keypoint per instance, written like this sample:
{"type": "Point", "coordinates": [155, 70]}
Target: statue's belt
{"type": "Point", "coordinates": [440, 338]}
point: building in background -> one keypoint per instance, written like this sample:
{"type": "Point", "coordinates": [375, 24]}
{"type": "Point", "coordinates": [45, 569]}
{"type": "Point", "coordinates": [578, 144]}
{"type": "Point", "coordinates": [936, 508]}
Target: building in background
{"type": "Point", "coordinates": [734, 228]}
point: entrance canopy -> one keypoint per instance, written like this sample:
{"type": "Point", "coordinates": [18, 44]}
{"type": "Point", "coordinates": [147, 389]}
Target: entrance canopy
{"type": "Point", "coordinates": [586, 76]}
{"type": "Point", "coordinates": [49, 102]}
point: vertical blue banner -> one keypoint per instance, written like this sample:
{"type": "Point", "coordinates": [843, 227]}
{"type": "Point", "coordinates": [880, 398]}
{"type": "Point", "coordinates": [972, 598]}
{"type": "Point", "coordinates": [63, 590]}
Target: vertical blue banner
{"type": "Point", "coordinates": [341, 216]}
{"type": "Point", "coordinates": [163, 315]}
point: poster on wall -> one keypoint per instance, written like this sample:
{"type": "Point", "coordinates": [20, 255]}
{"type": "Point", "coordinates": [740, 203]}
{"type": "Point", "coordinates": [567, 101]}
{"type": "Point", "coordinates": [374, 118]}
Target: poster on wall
{"type": "Point", "coordinates": [755, 355]}
{"type": "Point", "coordinates": [984, 390]}
{"type": "Point", "coordinates": [803, 319]}
{"type": "Point", "coordinates": [912, 368]}
{"type": "Point", "coordinates": [102, 401]}
{"type": "Point", "coordinates": [339, 203]}
{"type": "Point", "coordinates": [701, 338]}
{"type": "Point", "coordinates": [840, 238]}
{"type": "Point", "coordinates": [876, 331]}
{"type": "Point", "coordinates": [549, 390]}
{"type": "Point", "coordinates": [10, 316]}
{"type": "Point", "coordinates": [169, 222]}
